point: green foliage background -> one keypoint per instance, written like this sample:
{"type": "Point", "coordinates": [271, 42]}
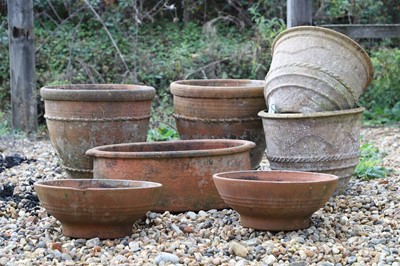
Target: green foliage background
{"type": "Point", "coordinates": [163, 41]}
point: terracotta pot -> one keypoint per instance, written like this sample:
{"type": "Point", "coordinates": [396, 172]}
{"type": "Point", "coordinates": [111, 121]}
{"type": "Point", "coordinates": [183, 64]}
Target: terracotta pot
{"type": "Point", "coordinates": [184, 167]}
{"type": "Point", "coordinates": [316, 69]}
{"type": "Point", "coordinates": [80, 117]}
{"type": "Point", "coordinates": [97, 208]}
{"type": "Point", "coordinates": [221, 108]}
{"type": "Point", "coordinates": [275, 200]}
{"type": "Point", "coordinates": [326, 142]}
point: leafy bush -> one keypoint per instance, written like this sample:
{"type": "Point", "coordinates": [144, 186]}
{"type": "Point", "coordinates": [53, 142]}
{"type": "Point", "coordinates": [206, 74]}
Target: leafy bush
{"type": "Point", "coordinates": [4, 125]}
{"type": "Point", "coordinates": [368, 166]}
{"type": "Point", "coordinates": [162, 133]}
{"type": "Point", "coordinates": [182, 40]}
{"type": "Point", "coordinates": [382, 98]}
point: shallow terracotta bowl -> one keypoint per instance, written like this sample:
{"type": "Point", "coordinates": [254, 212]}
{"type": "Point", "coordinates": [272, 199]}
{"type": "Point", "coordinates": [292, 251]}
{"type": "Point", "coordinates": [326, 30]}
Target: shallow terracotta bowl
{"type": "Point", "coordinates": [97, 208]}
{"type": "Point", "coordinates": [275, 200]}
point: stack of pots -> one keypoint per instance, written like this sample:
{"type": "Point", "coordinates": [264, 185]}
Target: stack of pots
{"type": "Point", "coordinates": [316, 77]}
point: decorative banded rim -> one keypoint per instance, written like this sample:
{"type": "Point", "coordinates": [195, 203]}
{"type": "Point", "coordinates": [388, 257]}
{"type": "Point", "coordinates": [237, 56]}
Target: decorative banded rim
{"type": "Point", "coordinates": [216, 120]}
{"type": "Point", "coordinates": [338, 157]}
{"type": "Point", "coordinates": [318, 68]}
{"type": "Point", "coordinates": [105, 119]}
{"type": "Point", "coordinates": [71, 169]}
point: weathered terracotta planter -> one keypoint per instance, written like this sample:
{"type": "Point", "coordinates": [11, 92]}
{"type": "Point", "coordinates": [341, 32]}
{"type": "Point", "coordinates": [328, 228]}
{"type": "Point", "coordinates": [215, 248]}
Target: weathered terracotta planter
{"type": "Point", "coordinates": [220, 108]}
{"type": "Point", "coordinates": [80, 117]}
{"type": "Point", "coordinates": [184, 167]}
{"type": "Point", "coordinates": [316, 69]}
{"type": "Point", "coordinates": [326, 142]}
{"type": "Point", "coordinates": [90, 208]}
{"type": "Point", "coordinates": [275, 200]}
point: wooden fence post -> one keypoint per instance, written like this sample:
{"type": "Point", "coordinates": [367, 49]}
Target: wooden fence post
{"type": "Point", "coordinates": [22, 66]}
{"type": "Point", "coordinates": [299, 12]}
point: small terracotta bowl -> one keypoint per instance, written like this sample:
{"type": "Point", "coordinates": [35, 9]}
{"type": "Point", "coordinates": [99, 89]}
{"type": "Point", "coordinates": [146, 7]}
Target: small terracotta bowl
{"type": "Point", "coordinates": [275, 200]}
{"type": "Point", "coordinates": [97, 208]}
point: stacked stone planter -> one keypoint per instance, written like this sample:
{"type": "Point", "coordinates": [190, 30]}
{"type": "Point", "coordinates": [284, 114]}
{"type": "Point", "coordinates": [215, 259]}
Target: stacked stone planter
{"type": "Point", "coordinates": [312, 123]}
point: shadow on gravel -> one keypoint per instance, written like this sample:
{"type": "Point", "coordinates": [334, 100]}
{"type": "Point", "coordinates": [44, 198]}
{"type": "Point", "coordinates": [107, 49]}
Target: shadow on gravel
{"type": "Point", "coordinates": [12, 160]}
{"type": "Point", "coordinates": [26, 199]}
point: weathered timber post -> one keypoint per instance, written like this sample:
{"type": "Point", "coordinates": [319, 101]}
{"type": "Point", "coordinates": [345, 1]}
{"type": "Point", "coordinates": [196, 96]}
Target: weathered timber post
{"type": "Point", "coordinates": [299, 12]}
{"type": "Point", "coordinates": [22, 66]}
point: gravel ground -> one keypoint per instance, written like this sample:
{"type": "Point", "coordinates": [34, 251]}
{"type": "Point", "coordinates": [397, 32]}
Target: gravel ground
{"type": "Point", "coordinates": [359, 228]}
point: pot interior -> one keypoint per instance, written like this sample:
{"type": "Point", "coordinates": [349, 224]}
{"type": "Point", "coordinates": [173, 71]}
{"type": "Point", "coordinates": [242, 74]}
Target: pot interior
{"type": "Point", "coordinates": [277, 176]}
{"type": "Point", "coordinates": [96, 184]}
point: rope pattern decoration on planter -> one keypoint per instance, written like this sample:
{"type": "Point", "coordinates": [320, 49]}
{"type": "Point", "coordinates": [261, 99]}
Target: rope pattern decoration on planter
{"type": "Point", "coordinates": [107, 119]}
{"type": "Point", "coordinates": [216, 120]}
{"type": "Point", "coordinates": [318, 68]}
{"type": "Point", "coordinates": [77, 170]}
{"type": "Point", "coordinates": [338, 157]}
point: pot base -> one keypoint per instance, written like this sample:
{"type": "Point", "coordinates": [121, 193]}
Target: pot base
{"type": "Point", "coordinates": [92, 230]}
{"type": "Point", "coordinates": [274, 224]}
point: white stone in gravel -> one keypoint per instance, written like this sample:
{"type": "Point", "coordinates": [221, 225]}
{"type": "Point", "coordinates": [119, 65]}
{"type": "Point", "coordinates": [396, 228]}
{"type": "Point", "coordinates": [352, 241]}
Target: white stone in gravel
{"type": "Point", "coordinates": [202, 214]}
{"type": "Point", "coordinates": [134, 246]}
{"type": "Point", "coordinates": [119, 258]}
{"type": "Point", "coordinates": [176, 229]}
{"type": "Point", "coordinates": [165, 258]}
{"type": "Point", "coordinates": [191, 215]}
{"type": "Point", "coordinates": [93, 242]}
{"type": "Point", "coordinates": [269, 260]}
{"type": "Point", "coordinates": [238, 249]}
{"type": "Point", "coordinates": [3, 261]}
{"type": "Point", "coordinates": [252, 242]}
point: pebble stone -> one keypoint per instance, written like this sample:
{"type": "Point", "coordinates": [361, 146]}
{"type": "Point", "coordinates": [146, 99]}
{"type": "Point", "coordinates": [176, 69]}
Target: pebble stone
{"type": "Point", "coordinates": [360, 227]}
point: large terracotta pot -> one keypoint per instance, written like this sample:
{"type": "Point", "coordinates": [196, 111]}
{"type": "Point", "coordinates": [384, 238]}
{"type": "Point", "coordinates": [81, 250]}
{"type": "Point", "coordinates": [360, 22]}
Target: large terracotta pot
{"type": "Point", "coordinates": [316, 69]}
{"type": "Point", "coordinates": [326, 142]}
{"type": "Point", "coordinates": [275, 200]}
{"type": "Point", "coordinates": [97, 208]}
{"type": "Point", "coordinates": [221, 108]}
{"type": "Point", "coordinates": [80, 117]}
{"type": "Point", "coordinates": [184, 167]}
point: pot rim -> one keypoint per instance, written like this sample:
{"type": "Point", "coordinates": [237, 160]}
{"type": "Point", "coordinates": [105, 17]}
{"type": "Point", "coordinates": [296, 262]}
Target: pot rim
{"type": "Point", "coordinates": [333, 33]}
{"type": "Point", "coordinates": [265, 115]}
{"type": "Point", "coordinates": [320, 177]}
{"type": "Point", "coordinates": [97, 92]}
{"type": "Point", "coordinates": [198, 88]}
{"type": "Point", "coordinates": [104, 151]}
{"type": "Point", "coordinates": [46, 184]}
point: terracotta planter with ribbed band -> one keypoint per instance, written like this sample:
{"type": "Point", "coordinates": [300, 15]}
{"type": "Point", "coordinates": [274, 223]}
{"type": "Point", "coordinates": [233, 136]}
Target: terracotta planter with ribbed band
{"type": "Point", "coordinates": [80, 117]}
{"type": "Point", "coordinates": [325, 142]}
{"type": "Point", "coordinates": [221, 108]}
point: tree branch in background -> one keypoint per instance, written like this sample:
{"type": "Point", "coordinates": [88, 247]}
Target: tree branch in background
{"type": "Point", "coordinates": [57, 28]}
{"type": "Point", "coordinates": [110, 36]}
{"type": "Point", "coordinates": [54, 10]}
{"type": "Point", "coordinates": [201, 69]}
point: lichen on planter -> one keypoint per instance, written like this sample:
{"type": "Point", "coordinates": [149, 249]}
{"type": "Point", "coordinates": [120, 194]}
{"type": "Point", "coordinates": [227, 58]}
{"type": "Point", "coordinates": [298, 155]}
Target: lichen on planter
{"type": "Point", "coordinates": [83, 116]}
{"type": "Point", "coordinates": [326, 142]}
{"type": "Point", "coordinates": [221, 108]}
